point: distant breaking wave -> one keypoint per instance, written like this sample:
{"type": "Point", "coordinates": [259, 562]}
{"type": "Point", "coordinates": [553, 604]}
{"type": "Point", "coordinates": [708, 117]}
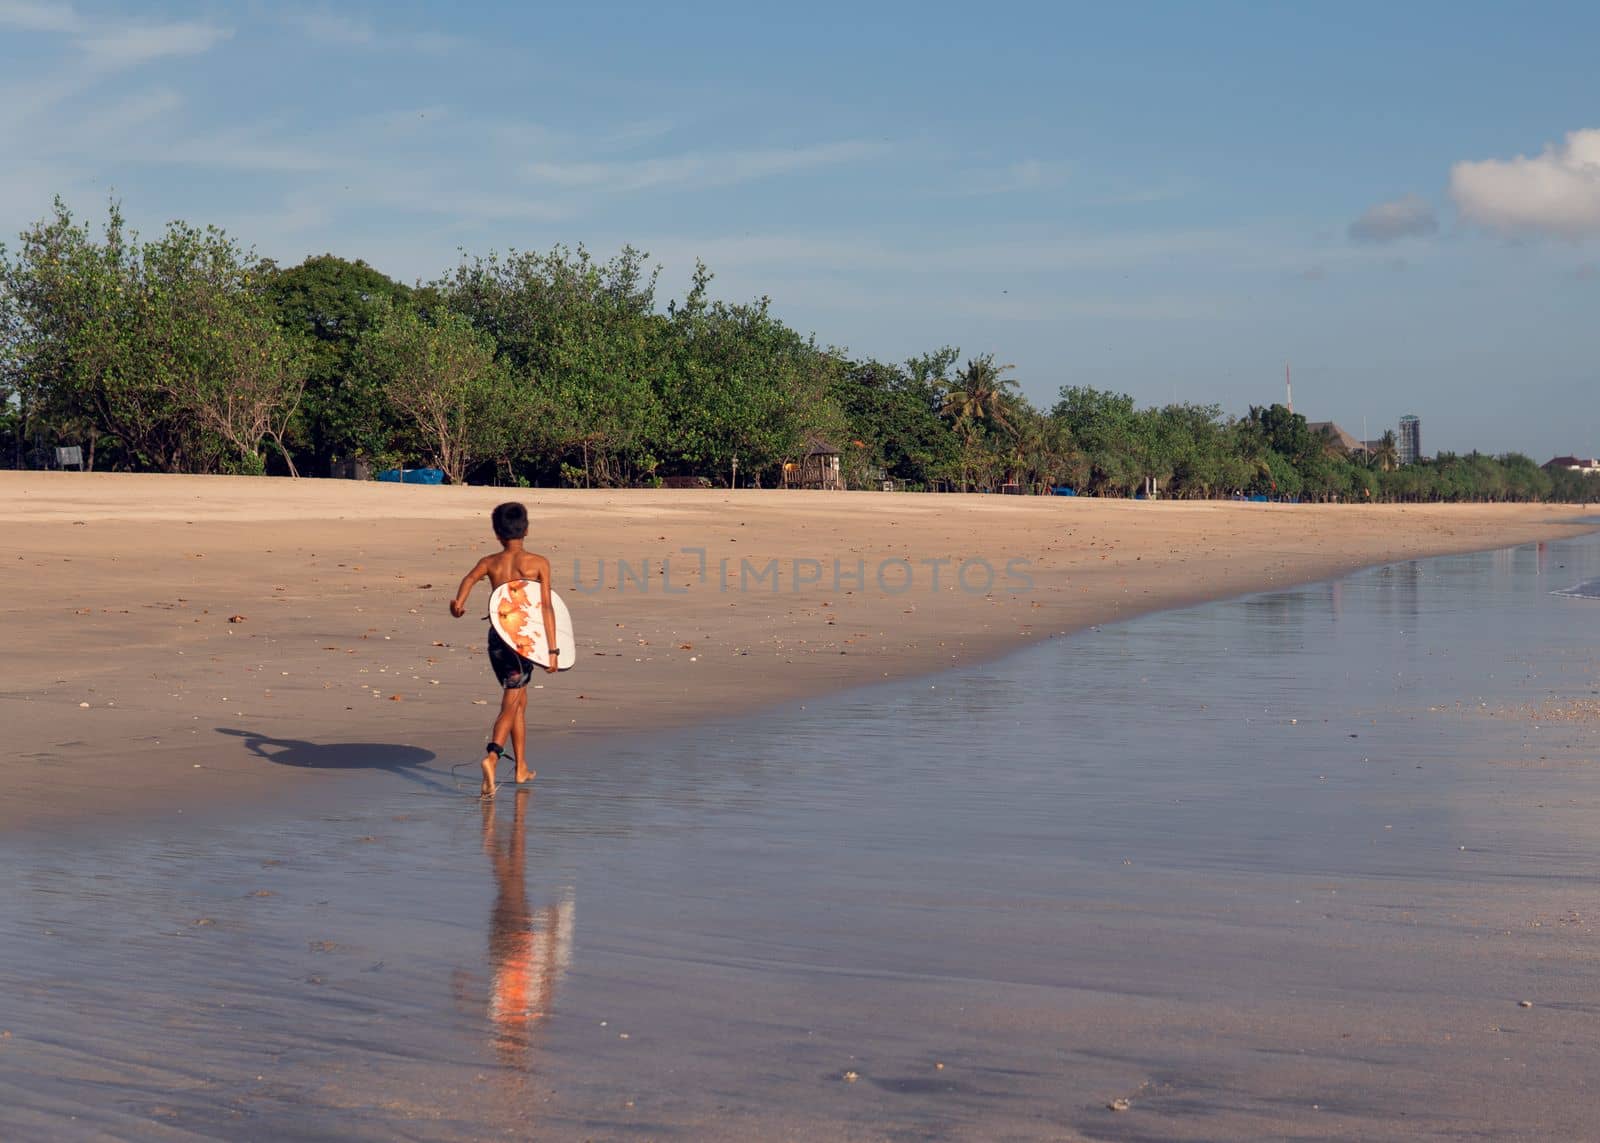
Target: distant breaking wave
{"type": "Point", "coordinates": [1589, 590]}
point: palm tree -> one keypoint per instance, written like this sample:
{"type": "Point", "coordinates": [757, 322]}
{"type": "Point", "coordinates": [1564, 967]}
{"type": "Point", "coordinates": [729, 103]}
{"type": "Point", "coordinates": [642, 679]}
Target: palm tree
{"type": "Point", "coordinates": [980, 392]}
{"type": "Point", "coordinates": [1042, 451]}
{"type": "Point", "coordinates": [1386, 457]}
{"type": "Point", "coordinates": [1025, 456]}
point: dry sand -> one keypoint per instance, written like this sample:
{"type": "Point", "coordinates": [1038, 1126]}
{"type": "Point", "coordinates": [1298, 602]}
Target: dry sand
{"type": "Point", "coordinates": [125, 659]}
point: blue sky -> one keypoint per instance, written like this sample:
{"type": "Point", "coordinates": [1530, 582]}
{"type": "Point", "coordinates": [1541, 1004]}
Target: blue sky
{"type": "Point", "coordinates": [1169, 200]}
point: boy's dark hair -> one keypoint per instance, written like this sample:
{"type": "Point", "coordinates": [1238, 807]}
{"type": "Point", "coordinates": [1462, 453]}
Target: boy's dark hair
{"type": "Point", "coordinates": [510, 521]}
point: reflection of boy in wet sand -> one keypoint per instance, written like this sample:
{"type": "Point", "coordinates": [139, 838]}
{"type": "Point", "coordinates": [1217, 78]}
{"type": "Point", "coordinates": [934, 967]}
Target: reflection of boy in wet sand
{"type": "Point", "coordinates": [510, 563]}
{"type": "Point", "coordinates": [528, 950]}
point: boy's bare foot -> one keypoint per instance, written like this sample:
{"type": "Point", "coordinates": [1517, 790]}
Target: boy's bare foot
{"type": "Point", "coordinates": [488, 787]}
{"type": "Point", "coordinates": [524, 774]}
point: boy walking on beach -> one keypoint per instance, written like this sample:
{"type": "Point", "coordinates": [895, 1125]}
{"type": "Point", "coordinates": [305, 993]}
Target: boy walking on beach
{"type": "Point", "coordinates": [511, 563]}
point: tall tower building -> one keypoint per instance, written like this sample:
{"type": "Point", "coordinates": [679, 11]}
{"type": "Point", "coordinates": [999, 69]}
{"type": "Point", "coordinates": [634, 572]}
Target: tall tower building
{"type": "Point", "coordinates": [1409, 446]}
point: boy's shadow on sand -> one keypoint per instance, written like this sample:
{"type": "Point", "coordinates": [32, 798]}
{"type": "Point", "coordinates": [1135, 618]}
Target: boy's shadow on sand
{"type": "Point", "coordinates": [404, 761]}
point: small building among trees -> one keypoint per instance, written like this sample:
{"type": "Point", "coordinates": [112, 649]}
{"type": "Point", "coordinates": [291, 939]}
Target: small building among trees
{"type": "Point", "coordinates": [1582, 465]}
{"type": "Point", "coordinates": [1336, 435]}
{"type": "Point", "coordinates": [818, 468]}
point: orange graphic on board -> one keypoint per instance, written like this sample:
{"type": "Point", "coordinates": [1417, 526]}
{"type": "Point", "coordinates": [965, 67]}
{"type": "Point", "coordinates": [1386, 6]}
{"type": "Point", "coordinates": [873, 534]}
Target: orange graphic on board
{"type": "Point", "coordinates": [517, 614]}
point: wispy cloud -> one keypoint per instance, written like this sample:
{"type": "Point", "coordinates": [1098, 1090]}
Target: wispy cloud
{"type": "Point", "coordinates": [1017, 252]}
{"type": "Point", "coordinates": [1411, 216]}
{"type": "Point", "coordinates": [113, 128]}
{"type": "Point", "coordinates": [1054, 307]}
{"type": "Point", "coordinates": [438, 196]}
{"type": "Point", "coordinates": [132, 45]}
{"type": "Point", "coordinates": [38, 17]}
{"type": "Point", "coordinates": [693, 171]}
{"type": "Point", "coordinates": [639, 131]}
{"type": "Point", "coordinates": [1023, 177]}
{"type": "Point", "coordinates": [328, 27]}
{"type": "Point", "coordinates": [110, 42]}
{"type": "Point", "coordinates": [240, 150]}
{"type": "Point", "coordinates": [334, 29]}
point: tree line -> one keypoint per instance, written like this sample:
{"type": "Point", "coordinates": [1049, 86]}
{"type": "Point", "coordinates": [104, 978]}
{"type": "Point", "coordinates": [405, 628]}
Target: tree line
{"type": "Point", "coordinates": [188, 353]}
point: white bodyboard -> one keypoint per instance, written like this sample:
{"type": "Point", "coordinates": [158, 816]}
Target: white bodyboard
{"type": "Point", "coordinates": [517, 617]}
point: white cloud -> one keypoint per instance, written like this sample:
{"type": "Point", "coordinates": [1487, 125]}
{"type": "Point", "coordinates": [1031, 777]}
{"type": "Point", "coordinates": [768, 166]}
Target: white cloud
{"type": "Point", "coordinates": [466, 204]}
{"type": "Point", "coordinates": [132, 45]}
{"type": "Point", "coordinates": [114, 128]}
{"type": "Point", "coordinates": [1021, 177]}
{"type": "Point", "coordinates": [239, 151]}
{"type": "Point", "coordinates": [329, 27]}
{"type": "Point", "coordinates": [1409, 217]}
{"type": "Point", "coordinates": [336, 29]}
{"type": "Point", "coordinates": [700, 170]}
{"type": "Point", "coordinates": [1556, 192]}
{"type": "Point", "coordinates": [33, 17]}
{"type": "Point", "coordinates": [112, 43]}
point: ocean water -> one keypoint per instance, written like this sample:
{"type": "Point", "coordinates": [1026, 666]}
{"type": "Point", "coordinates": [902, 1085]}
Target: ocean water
{"type": "Point", "coordinates": [1587, 590]}
{"type": "Point", "coordinates": [1316, 863]}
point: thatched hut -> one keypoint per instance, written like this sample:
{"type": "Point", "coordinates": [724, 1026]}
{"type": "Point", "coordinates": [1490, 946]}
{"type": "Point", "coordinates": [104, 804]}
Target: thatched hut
{"type": "Point", "coordinates": [818, 468]}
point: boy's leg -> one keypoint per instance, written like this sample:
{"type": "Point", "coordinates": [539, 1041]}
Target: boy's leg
{"type": "Point", "coordinates": [502, 730]}
{"type": "Point", "coordinates": [519, 738]}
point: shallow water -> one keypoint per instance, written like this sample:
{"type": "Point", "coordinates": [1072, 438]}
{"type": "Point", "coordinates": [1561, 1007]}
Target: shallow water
{"type": "Point", "coordinates": [1588, 590]}
{"type": "Point", "coordinates": [1277, 866]}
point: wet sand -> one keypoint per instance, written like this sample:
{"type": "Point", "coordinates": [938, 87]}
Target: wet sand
{"type": "Point", "coordinates": [123, 664]}
{"type": "Point", "coordinates": [1310, 864]}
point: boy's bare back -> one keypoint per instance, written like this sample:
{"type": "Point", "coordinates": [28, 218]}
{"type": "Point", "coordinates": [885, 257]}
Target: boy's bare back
{"type": "Point", "coordinates": [513, 564]}
{"type": "Point", "coordinates": [503, 567]}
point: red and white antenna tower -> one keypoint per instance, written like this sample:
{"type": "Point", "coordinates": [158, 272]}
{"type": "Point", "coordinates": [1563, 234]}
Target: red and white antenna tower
{"type": "Point", "coordinates": [1288, 385]}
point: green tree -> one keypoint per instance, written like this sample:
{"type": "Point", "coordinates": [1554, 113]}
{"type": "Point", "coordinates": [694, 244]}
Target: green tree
{"type": "Point", "coordinates": [1286, 433]}
{"type": "Point", "coordinates": [1204, 463]}
{"type": "Point", "coordinates": [165, 350]}
{"type": "Point", "coordinates": [55, 291]}
{"type": "Point", "coordinates": [442, 378]}
{"type": "Point", "coordinates": [242, 379]}
{"type": "Point", "coordinates": [1524, 479]}
{"type": "Point", "coordinates": [741, 383]}
{"type": "Point", "coordinates": [329, 303]}
{"type": "Point", "coordinates": [586, 347]}
{"type": "Point", "coordinates": [895, 414]}
{"type": "Point", "coordinates": [1106, 427]}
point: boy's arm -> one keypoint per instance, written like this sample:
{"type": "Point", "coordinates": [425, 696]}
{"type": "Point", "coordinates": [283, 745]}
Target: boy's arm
{"type": "Point", "coordinates": [458, 605]}
{"type": "Point", "coordinates": [545, 592]}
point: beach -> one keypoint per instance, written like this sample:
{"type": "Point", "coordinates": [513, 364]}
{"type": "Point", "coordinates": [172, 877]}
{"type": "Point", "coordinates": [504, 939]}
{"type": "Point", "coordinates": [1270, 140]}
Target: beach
{"type": "Point", "coordinates": [161, 628]}
{"type": "Point", "coordinates": [1315, 862]}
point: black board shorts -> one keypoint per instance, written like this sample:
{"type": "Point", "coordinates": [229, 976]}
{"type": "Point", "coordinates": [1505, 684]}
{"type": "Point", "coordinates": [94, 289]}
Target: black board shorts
{"type": "Point", "coordinates": [510, 668]}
